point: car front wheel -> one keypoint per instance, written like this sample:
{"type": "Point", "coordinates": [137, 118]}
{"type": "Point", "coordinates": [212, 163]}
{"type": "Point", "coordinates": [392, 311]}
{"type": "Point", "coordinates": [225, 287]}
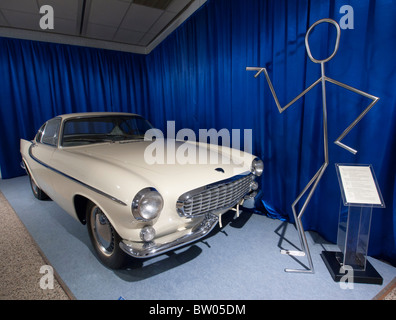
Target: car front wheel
{"type": "Point", "coordinates": [104, 238]}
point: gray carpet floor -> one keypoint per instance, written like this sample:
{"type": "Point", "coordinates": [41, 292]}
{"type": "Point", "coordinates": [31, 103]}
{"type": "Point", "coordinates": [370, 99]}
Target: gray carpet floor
{"type": "Point", "coordinates": [21, 261]}
{"type": "Point", "coordinates": [240, 261]}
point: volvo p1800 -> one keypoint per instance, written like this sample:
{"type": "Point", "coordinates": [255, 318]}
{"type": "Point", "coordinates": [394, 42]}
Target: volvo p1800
{"type": "Point", "coordinates": [93, 166]}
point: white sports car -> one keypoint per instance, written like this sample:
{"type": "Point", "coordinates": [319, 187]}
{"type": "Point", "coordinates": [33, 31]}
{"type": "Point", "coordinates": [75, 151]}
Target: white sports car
{"type": "Point", "coordinates": [94, 166]}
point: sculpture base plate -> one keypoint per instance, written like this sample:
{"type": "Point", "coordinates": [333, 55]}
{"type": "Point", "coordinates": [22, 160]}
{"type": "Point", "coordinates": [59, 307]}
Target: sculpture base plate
{"type": "Point", "coordinates": [369, 276]}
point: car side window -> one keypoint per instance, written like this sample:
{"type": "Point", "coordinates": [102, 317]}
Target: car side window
{"type": "Point", "coordinates": [39, 133]}
{"type": "Point", "coordinates": [51, 132]}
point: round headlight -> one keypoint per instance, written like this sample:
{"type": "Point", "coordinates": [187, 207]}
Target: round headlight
{"type": "Point", "coordinates": [257, 167]}
{"type": "Point", "coordinates": [147, 204]}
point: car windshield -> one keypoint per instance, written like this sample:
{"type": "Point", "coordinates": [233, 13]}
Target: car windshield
{"type": "Point", "coordinates": [81, 131]}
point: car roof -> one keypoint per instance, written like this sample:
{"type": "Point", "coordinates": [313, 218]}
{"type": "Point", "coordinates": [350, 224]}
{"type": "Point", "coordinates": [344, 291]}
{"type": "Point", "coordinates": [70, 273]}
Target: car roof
{"type": "Point", "coordinates": [94, 114]}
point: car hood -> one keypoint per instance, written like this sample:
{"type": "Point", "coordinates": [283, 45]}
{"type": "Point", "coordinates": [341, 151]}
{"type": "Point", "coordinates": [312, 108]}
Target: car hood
{"type": "Point", "coordinates": [170, 160]}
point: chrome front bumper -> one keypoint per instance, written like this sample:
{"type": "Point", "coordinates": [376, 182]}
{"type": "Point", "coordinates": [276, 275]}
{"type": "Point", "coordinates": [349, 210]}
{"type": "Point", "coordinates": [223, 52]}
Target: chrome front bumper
{"type": "Point", "coordinates": [167, 243]}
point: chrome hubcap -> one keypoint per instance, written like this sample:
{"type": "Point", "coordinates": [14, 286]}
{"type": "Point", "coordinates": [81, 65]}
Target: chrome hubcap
{"type": "Point", "coordinates": [102, 231]}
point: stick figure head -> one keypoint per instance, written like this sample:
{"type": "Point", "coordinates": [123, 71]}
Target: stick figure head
{"type": "Point", "coordinates": [336, 44]}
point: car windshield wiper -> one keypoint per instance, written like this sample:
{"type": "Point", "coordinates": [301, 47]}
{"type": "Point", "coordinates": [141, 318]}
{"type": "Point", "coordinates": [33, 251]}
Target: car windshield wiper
{"type": "Point", "coordinates": [130, 140]}
{"type": "Point", "coordinates": [110, 138]}
{"type": "Point", "coordinates": [125, 138]}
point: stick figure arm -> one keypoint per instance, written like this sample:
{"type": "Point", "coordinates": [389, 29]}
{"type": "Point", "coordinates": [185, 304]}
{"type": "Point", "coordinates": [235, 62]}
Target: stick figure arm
{"type": "Point", "coordinates": [355, 122]}
{"type": "Point", "coordinates": [280, 108]}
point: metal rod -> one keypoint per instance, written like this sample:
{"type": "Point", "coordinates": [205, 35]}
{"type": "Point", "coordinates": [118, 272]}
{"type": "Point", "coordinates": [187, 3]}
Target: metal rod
{"type": "Point", "coordinates": [319, 174]}
{"type": "Point", "coordinates": [355, 122]}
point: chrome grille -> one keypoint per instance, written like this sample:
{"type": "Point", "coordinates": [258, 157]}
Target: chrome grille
{"type": "Point", "coordinates": [212, 198]}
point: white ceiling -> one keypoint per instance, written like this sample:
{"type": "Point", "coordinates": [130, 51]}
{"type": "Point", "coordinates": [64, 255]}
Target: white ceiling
{"type": "Point", "coordinates": [126, 25]}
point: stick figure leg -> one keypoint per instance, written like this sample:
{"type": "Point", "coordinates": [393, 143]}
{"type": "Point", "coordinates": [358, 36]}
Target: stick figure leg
{"type": "Point", "coordinates": [301, 233]}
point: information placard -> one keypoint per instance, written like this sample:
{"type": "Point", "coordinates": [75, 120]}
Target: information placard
{"type": "Point", "coordinates": [359, 185]}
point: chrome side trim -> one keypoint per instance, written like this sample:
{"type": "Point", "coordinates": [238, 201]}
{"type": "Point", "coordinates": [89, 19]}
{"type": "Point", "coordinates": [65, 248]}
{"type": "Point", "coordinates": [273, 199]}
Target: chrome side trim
{"type": "Point", "coordinates": [152, 249]}
{"type": "Point", "coordinates": [74, 179]}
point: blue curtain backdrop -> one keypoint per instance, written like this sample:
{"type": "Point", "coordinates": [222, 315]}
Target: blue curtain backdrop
{"type": "Point", "coordinates": [42, 80]}
{"type": "Point", "coordinates": [197, 78]}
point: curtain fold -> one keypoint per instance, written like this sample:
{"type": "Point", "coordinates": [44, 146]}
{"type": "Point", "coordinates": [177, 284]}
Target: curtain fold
{"type": "Point", "coordinates": [197, 78]}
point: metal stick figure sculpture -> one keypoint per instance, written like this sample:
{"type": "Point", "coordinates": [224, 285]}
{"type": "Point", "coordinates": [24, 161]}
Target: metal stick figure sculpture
{"type": "Point", "coordinates": [316, 178]}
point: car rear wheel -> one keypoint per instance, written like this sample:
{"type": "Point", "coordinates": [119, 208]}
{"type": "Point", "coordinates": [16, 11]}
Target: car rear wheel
{"type": "Point", "coordinates": [37, 192]}
{"type": "Point", "coordinates": [104, 238]}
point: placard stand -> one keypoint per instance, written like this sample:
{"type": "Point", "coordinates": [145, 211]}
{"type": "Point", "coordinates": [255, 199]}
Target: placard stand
{"type": "Point", "coordinates": [360, 193]}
